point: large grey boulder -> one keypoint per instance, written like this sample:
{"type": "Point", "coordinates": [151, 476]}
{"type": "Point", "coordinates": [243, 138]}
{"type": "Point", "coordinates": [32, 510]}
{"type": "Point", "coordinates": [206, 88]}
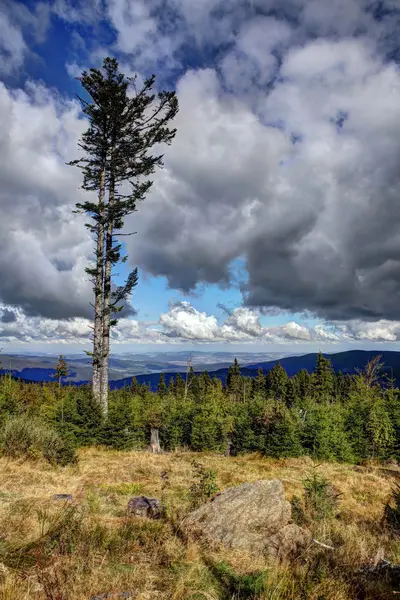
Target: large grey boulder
{"type": "Point", "coordinates": [247, 517]}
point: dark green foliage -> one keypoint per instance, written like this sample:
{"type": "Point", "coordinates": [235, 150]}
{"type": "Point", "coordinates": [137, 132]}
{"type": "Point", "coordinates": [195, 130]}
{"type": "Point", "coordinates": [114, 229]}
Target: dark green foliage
{"type": "Point", "coordinates": [340, 385]}
{"type": "Point", "coordinates": [247, 435]}
{"type": "Point", "coordinates": [292, 392]}
{"type": "Point", "coordinates": [323, 431]}
{"type": "Point", "coordinates": [303, 381]}
{"type": "Point", "coordinates": [205, 433]}
{"type": "Point", "coordinates": [234, 382]}
{"type": "Point", "coordinates": [258, 387]}
{"type": "Point", "coordinates": [162, 387]}
{"type": "Point", "coordinates": [392, 511]}
{"type": "Point", "coordinates": [123, 128]}
{"type": "Point", "coordinates": [125, 124]}
{"type": "Point", "coordinates": [320, 500]}
{"type": "Point", "coordinates": [281, 433]}
{"type": "Point", "coordinates": [177, 424]}
{"type": "Point", "coordinates": [135, 387]}
{"type": "Point", "coordinates": [380, 428]}
{"type": "Point", "coordinates": [359, 420]}
{"type": "Point", "coordinates": [324, 378]}
{"type": "Point", "coordinates": [61, 369]}
{"type": "Point", "coordinates": [120, 431]}
{"type": "Point", "coordinates": [23, 437]}
{"type": "Point", "coordinates": [179, 387]}
{"type": "Point", "coordinates": [171, 386]}
{"type": "Point", "coordinates": [204, 485]}
{"type": "Point", "coordinates": [393, 409]}
{"type": "Point", "coordinates": [276, 382]}
{"type": "Point", "coordinates": [87, 418]}
{"type": "Point", "coordinates": [240, 587]}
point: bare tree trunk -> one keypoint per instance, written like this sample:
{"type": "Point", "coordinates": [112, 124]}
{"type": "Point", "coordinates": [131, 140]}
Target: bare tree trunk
{"type": "Point", "coordinates": [98, 301]}
{"type": "Point", "coordinates": [188, 365]}
{"type": "Point", "coordinates": [104, 375]}
{"type": "Point", "coordinates": [154, 441]}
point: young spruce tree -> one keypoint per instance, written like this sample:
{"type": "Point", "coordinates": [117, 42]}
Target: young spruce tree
{"type": "Point", "coordinates": [61, 370]}
{"type": "Point", "coordinates": [125, 123]}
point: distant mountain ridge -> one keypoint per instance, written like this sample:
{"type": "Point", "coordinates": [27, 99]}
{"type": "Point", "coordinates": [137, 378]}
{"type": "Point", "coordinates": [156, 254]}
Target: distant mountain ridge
{"type": "Point", "coordinates": [41, 367]}
{"type": "Point", "coordinates": [348, 362]}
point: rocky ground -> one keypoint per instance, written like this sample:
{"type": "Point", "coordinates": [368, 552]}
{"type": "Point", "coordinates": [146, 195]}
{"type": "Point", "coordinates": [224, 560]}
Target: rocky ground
{"type": "Point", "coordinates": [83, 544]}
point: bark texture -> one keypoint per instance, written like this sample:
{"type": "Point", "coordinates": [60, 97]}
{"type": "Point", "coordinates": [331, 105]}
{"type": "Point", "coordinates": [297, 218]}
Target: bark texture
{"type": "Point", "coordinates": [98, 302]}
{"type": "Point", "coordinates": [106, 321]}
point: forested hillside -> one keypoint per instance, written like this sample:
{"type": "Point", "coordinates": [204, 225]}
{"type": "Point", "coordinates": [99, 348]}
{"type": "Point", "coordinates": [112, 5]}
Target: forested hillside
{"type": "Point", "coordinates": [324, 415]}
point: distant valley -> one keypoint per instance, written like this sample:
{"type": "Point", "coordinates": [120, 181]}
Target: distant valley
{"type": "Point", "coordinates": [41, 367]}
{"type": "Point", "coordinates": [146, 367]}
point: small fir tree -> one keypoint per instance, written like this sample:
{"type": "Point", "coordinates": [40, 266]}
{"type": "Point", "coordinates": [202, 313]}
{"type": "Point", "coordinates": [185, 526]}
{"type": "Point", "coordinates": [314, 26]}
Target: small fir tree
{"type": "Point", "coordinates": [135, 387]}
{"type": "Point", "coordinates": [258, 387]}
{"type": "Point", "coordinates": [171, 386]}
{"type": "Point", "coordinates": [303, 381]}
{"type": "Point", "coordinates": [324, 377]}
{"type": "Point", "coordinates": [234, 382]}
{"type": "Point", "coordinates": [61, 370]}
{"type": "Point", "coordinates": [162, 386]}
{"type": "Point", "coordinates": [380, 429]}
{"type": "Point", "coordinates": [276, 382]}
{"type": "Point", "coordinates": [179, 388]}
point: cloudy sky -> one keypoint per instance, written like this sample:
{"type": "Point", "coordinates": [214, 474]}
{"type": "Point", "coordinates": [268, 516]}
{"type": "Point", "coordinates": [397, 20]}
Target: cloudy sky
{"type": "Point", "coordinates": [276, 220]}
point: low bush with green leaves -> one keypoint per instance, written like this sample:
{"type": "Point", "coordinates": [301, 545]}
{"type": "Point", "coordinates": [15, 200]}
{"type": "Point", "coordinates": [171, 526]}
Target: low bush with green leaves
{"type": "Point", "coordinates": [204, 485]}
{"type": "Point", "coordinates": [24, 437]}
{"type": "Point", "coordinates": [240, 587]}
{"type": "Point", "coordinates": [320, 499]}
{"type": "Point", "coordinates": [392, 511]}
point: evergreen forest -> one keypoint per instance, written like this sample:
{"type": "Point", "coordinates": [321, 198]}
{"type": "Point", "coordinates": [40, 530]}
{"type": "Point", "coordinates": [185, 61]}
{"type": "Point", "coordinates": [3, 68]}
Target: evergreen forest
{"type": "Point", "coordinates": [325, 415]}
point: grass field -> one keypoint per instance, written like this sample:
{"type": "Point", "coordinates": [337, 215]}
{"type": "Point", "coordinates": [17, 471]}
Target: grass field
{"type": "Point", "coordinates": [73, 551]}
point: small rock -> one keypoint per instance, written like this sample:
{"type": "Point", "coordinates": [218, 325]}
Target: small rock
{"type": "Point", "coordinates": [384, 568]}
{"type": "Point", "coordinates": [141, 506]}
{"type": "Point", "coordinates": [64, 497]}
{"type": "Point", "coordinates": [288, 542]}
{"type": "Point", "coordinates": [111, 595]}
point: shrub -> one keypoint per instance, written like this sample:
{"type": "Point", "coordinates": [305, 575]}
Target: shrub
{"type": "Point", "coordinates": [392, 511]}
{"type": "Point", "coordinates": [321, 501]}
{"type": "Point", "coordinates": [26, 437]}
{"type": "Point", "coordinates": [204, 485]}
{"type": "Point", "coordinates": [206, 434]}
{"type": "Point", "coordinates": [242, 587]}
{"type": "Point", "coordinates": [281, 431]}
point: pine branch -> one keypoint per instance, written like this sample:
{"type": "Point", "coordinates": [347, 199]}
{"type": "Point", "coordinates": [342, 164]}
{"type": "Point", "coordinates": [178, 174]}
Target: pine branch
{"type": "Point", "coordinates": [126, 234]}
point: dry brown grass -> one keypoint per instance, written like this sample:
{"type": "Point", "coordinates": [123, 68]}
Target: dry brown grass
{"type": "Point", "coordinates": [150, 559]}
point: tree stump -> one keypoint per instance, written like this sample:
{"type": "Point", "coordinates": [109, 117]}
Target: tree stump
{"type": "Point", "coordinates": [228, 447]}
{"type": "Point", "coordinates": [154, 447]}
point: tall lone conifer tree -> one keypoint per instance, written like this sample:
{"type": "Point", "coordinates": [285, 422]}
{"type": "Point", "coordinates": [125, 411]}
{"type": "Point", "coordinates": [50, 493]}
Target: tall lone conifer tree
{"type": "Point", "coordinates": [124, 126]}
{"type": "Point", "coordinates": [61, 370]}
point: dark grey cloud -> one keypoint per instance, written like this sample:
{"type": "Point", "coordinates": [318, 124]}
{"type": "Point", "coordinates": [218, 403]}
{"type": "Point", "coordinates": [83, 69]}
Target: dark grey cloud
{"type": "Point", "coordinates": [44, 249]}
{"type": "Point", "coordinates": [8, 316]}
{"type": "Point", "coordinates": [316, 222]}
